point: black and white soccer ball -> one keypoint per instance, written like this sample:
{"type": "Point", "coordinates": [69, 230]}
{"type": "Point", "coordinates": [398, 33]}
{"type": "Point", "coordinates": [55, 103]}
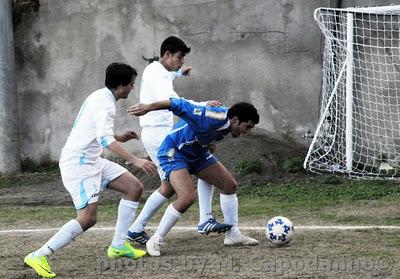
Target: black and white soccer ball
{"type": "Point", "coordinates": [279, 230]}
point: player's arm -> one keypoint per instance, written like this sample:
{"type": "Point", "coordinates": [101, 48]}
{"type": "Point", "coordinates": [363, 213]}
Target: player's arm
{"type": "Point", "coordinates": [104, 119]}
{"type": "Point", "coordinates": [183, 71]}
{"type": "Point", "coordinates": [178, 106]}
{"type": "Point", "coordinates": [146, 165]}
{"type": "Point", "coordinates": [127, 136]}
{"type": "Point", "coordinates": [142, 109]}
{"type": "Point", "coordinates": [190, 112]}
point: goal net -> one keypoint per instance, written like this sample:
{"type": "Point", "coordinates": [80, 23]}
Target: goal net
{"type": "Point", "coordinates": [358, 133]}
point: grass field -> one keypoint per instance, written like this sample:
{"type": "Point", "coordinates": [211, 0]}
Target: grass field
{"type": "Point", "coordinates": [330, 253]}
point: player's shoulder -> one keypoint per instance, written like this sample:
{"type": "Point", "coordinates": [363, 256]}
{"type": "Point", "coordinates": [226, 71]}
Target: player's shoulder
{"type": "Point", "coordinates": [217, 113]}
{"type": "Point", "coordinates": [151, 69]}
{"type": "Point", "coordinates": [102, 97]}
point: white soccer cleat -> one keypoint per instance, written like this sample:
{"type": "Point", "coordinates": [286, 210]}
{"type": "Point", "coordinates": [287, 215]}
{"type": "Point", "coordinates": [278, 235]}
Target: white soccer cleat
{"type": "Point", "coordinates": [153, 245]}
{"type": "Point", "coordinates": [240, 240]}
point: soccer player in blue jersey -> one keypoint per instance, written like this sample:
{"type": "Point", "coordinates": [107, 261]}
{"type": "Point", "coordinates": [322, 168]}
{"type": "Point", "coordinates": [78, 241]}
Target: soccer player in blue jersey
{"type": "Point", "coordinates": [185, 151]}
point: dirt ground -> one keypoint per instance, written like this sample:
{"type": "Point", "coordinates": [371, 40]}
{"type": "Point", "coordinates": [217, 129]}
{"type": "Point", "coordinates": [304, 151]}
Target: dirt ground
{"type": "Point", "coordinates": [312, 254]}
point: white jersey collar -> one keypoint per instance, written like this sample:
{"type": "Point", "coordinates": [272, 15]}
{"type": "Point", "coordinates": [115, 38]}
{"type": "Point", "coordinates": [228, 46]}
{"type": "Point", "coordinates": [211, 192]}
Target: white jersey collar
{"type": "Point", "coordinates": [164, 71]}
{"type": "Point", "coordinates": [109, 92]}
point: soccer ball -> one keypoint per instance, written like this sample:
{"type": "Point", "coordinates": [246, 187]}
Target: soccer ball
{"type": "Point", "coordinates": [279, 230]}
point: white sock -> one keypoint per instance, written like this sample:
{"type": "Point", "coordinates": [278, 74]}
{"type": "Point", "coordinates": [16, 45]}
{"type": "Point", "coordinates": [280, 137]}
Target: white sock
{"type": "Point", "coordinates": [229, 207]}
{"type": "Point", "coordinates": [152, 205]}
{"type": "Point", "coordinates": [63, 237]}
{"type": "Point", "coordinates": [205, 193]}
{"type": "Point", "coordinates": [126, 215]}
{"type": "Point", "coordinates": [170, 218]}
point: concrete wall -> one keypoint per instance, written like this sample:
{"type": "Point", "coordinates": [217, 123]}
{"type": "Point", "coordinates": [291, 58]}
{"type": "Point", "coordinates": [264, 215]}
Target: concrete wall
{"type": "Point", "coordinates": [267, 52]}
{"type": "Point", "coordinates": [9, 139]}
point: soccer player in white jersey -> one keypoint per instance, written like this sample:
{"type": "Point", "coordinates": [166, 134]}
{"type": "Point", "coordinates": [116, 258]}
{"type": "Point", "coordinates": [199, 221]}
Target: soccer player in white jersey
{"type": "Point", "coordinates": [157, 85]}
{"type": "Point", "coordinates": [85, 174]}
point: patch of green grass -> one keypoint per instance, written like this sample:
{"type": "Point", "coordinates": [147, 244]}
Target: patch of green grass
{"type": "Point", "coordinates": [317, 191]}
{"type": "Point", "coordinates": [38, 214]}
{"type": "Point", "coordinates": [32, 174]}
{"type": "Point", "coordinates": [47, 165]}
{"type": "Point", "coordinates": [244, 167]}
{"type": "Point", "coordinates": [28, 178]}
{"type": "Point", "coordinates": [315, 201]}
{"type": "Point", "coordinates": [293, 165]}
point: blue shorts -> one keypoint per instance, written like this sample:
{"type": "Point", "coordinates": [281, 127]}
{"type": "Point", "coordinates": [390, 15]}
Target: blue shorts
{"type": "Point", "coordinates": [174, 160]}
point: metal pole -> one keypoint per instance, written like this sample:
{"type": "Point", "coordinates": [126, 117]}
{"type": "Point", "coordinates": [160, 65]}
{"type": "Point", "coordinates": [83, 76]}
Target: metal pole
{"type": "Point", "coordinates": [349, 94]}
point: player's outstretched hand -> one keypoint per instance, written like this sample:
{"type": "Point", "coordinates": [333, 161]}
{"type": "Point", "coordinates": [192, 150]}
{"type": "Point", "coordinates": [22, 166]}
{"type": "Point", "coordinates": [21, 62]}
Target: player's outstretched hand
{"type": "Point", "coordinates": [186, 70]}
{"type": "Point", "coordinates": [138, 109]}
{"type": "Point", "coordinates": [145, 165]}
{"type": "Point", "coordinates": [214, 103]}
{"type": "Point", "coordinates": [129, 135]}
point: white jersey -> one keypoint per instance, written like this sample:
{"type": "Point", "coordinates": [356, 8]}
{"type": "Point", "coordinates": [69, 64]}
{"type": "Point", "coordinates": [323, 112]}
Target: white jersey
{"type": "Point", "coordinates": [92, 130]}
{"type": "Point", "coordinates": [156, 85]}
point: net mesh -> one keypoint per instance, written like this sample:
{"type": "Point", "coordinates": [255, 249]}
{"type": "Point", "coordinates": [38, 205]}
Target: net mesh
{"type": "Point", "coordinates": [375, 94]}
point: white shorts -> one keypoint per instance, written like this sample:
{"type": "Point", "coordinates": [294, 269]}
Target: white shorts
{"type": "Point", "coordinates": [84, 182]}
{"type": "Point", "coordinates": [152, 137]}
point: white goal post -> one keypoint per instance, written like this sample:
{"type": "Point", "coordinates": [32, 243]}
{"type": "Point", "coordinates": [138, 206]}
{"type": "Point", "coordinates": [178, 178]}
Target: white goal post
{"type": "Point", "coordinates": [358, 134]}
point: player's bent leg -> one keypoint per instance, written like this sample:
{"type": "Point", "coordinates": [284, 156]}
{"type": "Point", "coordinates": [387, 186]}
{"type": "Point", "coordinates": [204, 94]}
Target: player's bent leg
{"type": "Point", "coordinates": [87, 217]}
{"type": "Point", "coordinates": [131, 188]}
{"type": "Point", "coordinates": [156, 200]}
{"type": "Point", "coordinates": [166, 189]}
{"type": "Point", "coordinates": [181, 182]}
{"type": "Point", "coordinates": [205, 194]}
{"type": "Point", "coordinates": [218, 175]}
{"type": "Point", "coordinates": [39, 261]}
{"type": "Point", "coordinates": [127, 184]}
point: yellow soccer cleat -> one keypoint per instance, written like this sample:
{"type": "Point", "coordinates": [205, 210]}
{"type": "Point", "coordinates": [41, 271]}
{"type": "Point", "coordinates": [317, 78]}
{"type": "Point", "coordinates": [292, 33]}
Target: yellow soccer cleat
{"type": "Point", "coordinates": [40, 264]}
{"type": "Point", "coordinates": [125, 251]}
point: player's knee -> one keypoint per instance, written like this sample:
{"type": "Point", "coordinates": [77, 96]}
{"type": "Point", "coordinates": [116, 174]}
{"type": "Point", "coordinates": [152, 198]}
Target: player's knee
{"type": "Point", "coordinates": [92, 221]}
{"type": "Point", "coordinates": [186, 200]}
{"type": "Point", "coordinates": [230, 188]}
{"type": "Point", "coordinates": [138, 187]}
{"type": "Point", "coordinates": [135, 190]}
{"type": "Point", "coordinates": [190, 198]}
{"type": "Point", "coordinates": [87, 222]}
{"type": "Point", "coordinates": [166, 191]}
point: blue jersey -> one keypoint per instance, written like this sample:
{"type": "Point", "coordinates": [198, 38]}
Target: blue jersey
{"type": "Point", "coordinates": [199, 126]}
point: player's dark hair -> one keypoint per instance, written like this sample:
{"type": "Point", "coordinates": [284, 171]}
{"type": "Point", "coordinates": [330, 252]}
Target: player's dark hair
{"type": "Point", "coordinates": [173, 45]}
{"type": "Point", "coordinates": [119, 74]}
{"type": "Point", "coordinates": [244, 112]}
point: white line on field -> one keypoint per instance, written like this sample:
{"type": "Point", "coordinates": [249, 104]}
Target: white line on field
{"type": "Point", "coordinates": [183, 228]}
